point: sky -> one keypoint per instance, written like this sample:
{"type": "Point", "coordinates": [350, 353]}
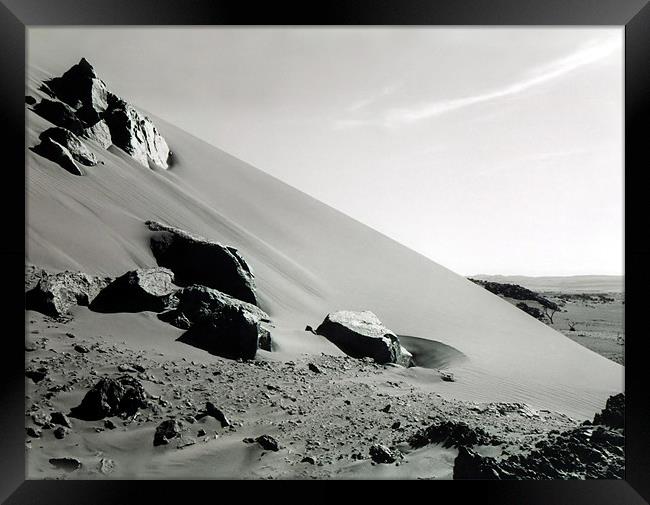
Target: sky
{"type": "Point", "coordinates": [490, 150]}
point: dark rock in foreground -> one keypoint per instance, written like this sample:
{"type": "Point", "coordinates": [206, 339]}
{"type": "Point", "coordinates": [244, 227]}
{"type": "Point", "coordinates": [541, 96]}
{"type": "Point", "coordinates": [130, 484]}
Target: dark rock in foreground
{"type": "Point", "coordinates": [166, 431]}
{"type": "Point", "coordinates": [60, 114]}
{"type": "Point", "coordinates": [581, 453]}
{"type": "Point", "coordinates": [268, 442]}
{"type": "Point", "coordinates": [452, 434]}
{"type": "Point", "coordinates": [111, 397]}
{"type": "Point", "coordinates": [613, 415]}
{"type": "Point", "coordinates": [215, 412]}
{"type": "Point", "coordinates": [382, 454]}
{"type": "Point", "coordinates": [231, 333]}
{"type": "Point", "coordinates": [362, 334]}
{"type": "Point", "coordinates": [57, 153]}
{"type": "Point", "coordinates": [146, 289]}
{"type": "Point", "coordinates": [55, 294]}
{"type": "Point", "coordinates": [72, 143]}
{"type": "Point", "coordinates": [67, 464]}
{"type": "Point", "coordinates": [36, 375]}
{"type": "Point", "coordinates": [195, 260]}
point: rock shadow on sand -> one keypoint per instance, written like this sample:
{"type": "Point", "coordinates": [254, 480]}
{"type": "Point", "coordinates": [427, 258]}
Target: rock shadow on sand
{"type": "Point", "coordinates": [431, 353]}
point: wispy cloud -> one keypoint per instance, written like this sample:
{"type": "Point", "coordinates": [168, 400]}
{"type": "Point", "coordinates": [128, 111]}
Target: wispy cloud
{"type": "Point", "coordinates": [588, 54]}
{"type": "Point", "coordinates": [383, 92]}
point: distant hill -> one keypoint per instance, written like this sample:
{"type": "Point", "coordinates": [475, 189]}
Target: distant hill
{"type": "Point", "coordinates": [570, 284]}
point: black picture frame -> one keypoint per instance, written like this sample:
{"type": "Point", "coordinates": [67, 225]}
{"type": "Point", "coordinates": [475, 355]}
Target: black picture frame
{"type": "Point", "coordinates": [17, 15]}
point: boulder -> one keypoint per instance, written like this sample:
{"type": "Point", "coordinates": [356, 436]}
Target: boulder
{"type": "Point", "coordinates": [67, 464]}
{"type": "Point", "coordinates": [613, 415]}
{"type": "Point", "coordinates": [80, 88]}
{"type": "Point", "coordinates": [195, 303]}
{"type": "Point", "coordinates": [136, 134]}
{"type": "Point", "coordinates": [145, 289]}
{"type": "Point", "coordinates": [166, 431]}
{"type": "Point", "coordinates": [362, 334]}
{"type": "Point", "coordinates": [217, 413]}
{"type": "Point", "coordinates": [30, 100]}
{"type": "Point", "coordinates": [57, 153]}
{"type": "Point", "coordinates": [232, 333]}
{"type": "Point", "coordinates": [55, 294]}
{"type": "Point", "coordinates": [382, 454]}
{"type": "Point", "coordinates": [196, 260]}
{"type": "Point", "coordinates": [72, 143]}
{"type": "Point", "coordinates": [268, 442]}
{"type": "Point", "coordinates": [100, 133]}
{"type": "Point", "coordinates": [60, 114]}
{"type": "Point", "coordinates": [111, 397]}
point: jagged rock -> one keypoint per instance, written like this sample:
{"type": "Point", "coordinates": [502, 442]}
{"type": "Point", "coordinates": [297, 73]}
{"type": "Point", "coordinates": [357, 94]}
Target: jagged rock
{"type": "Point", "coordinates": [61, 419]}
{"type": "Point", "coordinates": [33, 432]}
{"type": "Point", "coordinates": [100, 133]}
{"type": "Point", "coordinates": [56, 293]}
{"type": "Point", "coordinates": [109, 425]}
{"type": "Point", "coordinates": [60, 114]}
{"type": "Point", "coordinates": [452, 434]}
{"type": "Point", "coordinates": [55, 152]}
{"type": "Point", "coordinates": [231, 332]}
{"type": "Point", "coordinates": [136, 134]}
{"type": "Point", "coordinates": [36, 375]}
{"type": "Point", "coordinates": [314, 368]}
{"type": "Point", "coordinates": [613, 415]}
{"type": "Point", "coordinates": [60, 432]}
{"type": "Point", "coordinates": [196, 260]}
{"type": "Point", "coordinates": [106, 465]}
{"type": "Point", "coordinates": [81, 349]}
{"type": "Point", "coordinates": [80, 87]}
{"type": "Point", "coordinates": [212, 410]}
{"type": "Point", "coordinates": [362, 334]}
{"type": "Point", "coordinates": [166, 431]}
{"type": "Point", "coordinates": [30, 100]}
{"type": "Point", "coordinates": [268, 443]}
{"type": "Point", "coordinates": [72, 143]}
{"type": "Point", "coordinates": [111, 397]}
{"type": "Point", "coordinates": [382, 454]}
{"type": "Point", "coordinates": [579, 453]}
{"type": "Point", "coordinates": [67, 464]}
{"type": "Point", "coordinates": [146, 289]}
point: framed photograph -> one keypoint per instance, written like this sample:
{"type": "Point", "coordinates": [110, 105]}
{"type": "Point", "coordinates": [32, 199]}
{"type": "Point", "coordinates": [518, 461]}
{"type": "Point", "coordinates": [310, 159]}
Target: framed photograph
{"type": "Point", "coordinates": [363, 242]}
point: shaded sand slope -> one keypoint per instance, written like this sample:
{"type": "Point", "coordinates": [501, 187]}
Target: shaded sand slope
{"type": "Point", "coordinates": [308, 259]}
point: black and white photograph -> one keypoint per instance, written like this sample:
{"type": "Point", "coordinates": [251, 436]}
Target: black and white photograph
{"type": "Point", "coordinates": [337, 252]}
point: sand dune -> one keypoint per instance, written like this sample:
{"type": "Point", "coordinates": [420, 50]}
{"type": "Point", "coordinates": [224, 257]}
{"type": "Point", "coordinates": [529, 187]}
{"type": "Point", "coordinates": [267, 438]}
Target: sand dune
{"type": "Point", "coordinates": [308, 260]}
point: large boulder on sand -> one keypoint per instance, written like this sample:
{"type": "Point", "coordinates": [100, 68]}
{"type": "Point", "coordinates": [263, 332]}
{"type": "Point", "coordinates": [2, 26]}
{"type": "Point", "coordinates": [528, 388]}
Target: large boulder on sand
{"type": "Point", "coordinates": [55, 294]}
{"type": "Point", "coordinates": [111, 397]}
{"type": "Point", "coordinates": [136, 134]}
{"type": "Point", "coordinates": [137, 291]}
{"type": "Point", "coordinates": [231, 333]}
{"type": "Point", "coordinates": [72, 143]}
{"type": "Point", "coordinates": [57, 153]}
{"type": "Point", "coordinates": [59, 114]}
{"type": "Point", "coordinates": [613, 415]}
{"type": "Point", "coordinates": [362, 334]}
{"type": "Point", "coordinates": [196, 260]}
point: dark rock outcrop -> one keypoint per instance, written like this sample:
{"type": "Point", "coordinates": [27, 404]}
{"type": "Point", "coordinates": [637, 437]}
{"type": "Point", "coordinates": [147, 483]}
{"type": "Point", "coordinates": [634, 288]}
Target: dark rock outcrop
{"type": "Point", "coordinates": [60, 114]}
{"type": "Point", "coordinates": [613, 415]}
{"type": "Point", "coordinates": [72, 143]}
{"type": "Point", "coordinates": [111, 397]}
{"type": "Point", "coordinates": [382, 454]}
{"type": "Point", "coordinates": [30, 100]}
{"type": "Point", "coordinates": [56, 293]}
{"type": "Point", "coordinates": [196, 260]}
{"type": "Point", "coordinates": [67, 464]}
{"type": "Point", "coordinates": [36, 375]}
{"type": "Point", "coordinates": [137, 291]}
{"type": "Point", "coordinates": [136, 134]}
{"type": "Point", "coordinates": [217, 413]}
{"type": "Point", "coordinates": [166, 431]}
{"type": "Point", "coordinates": [580, 453]}
{"type": "Point", "coordinates": [55, 152]}
{"type": "Point", "coordinates": [362, 334]}
{"type": "Point", "coordinates": [452, 434]}
{"type": "Point", "coordinates": [232, 333]}
{"type": "Point", "coordinates": [268, 442]}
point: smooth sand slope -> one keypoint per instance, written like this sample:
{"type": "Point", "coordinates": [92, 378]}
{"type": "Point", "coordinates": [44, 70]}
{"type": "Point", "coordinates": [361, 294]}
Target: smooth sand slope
{"type": "Point", "coordinates": [308, 259]}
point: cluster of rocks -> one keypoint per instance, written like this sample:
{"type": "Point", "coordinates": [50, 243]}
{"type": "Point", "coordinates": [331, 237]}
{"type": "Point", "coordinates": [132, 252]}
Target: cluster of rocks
{"type": "Point", "coordinates": [82, 107]}
{"type": "Point", "coordinates": [452, 434]}
{"type": "Point", "coordinates": [591, 451]}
